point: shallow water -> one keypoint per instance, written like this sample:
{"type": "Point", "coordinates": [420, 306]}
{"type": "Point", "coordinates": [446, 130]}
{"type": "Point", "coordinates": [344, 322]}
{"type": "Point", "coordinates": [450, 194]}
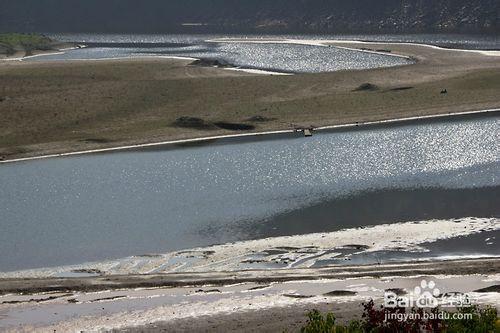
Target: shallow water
{"type": "Point", "coordinates": [93, 207]}
{"type": "Point", "coordinates": [274, 57]}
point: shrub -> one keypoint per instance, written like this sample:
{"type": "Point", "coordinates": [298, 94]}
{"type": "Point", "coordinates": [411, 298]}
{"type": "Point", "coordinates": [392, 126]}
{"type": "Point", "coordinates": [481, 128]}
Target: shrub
{"type": "Point", "coordinates": [480, 320]}
{"type": "Point", "coordinates": [319, 324]}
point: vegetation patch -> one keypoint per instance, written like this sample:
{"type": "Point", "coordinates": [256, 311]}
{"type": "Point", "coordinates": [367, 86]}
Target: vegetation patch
{"type": "Point", "coordinates": [193, 122]}
{"type": "Point", "coordinates": [96, 140]}
{"type": "Point", "coordinates": [12, 42]}
{"type": "Point", "coordinates": [376, 320]}
{"type": "Point", "coordinates": [367, 87]}
{"type": "Point", "coordinates": [260, 119]}
{"type": "Point", "coordinates": [234, 126]}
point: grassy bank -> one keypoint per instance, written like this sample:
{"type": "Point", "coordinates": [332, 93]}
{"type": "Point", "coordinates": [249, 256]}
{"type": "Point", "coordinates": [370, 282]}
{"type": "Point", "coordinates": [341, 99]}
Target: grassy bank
{"type": "Point", "coordinates": [10, 43]}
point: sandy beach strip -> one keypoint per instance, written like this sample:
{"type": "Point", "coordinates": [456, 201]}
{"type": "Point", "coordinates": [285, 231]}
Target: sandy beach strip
{"type": "Point", "coordinates": [194, 304]}
{"type": "Point", "coordinates": [229, 136]}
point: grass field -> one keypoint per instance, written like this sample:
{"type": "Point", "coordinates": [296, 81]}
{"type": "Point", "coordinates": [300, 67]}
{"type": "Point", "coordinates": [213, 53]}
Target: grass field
{"type": "Point", "coordinates": [66, 106]}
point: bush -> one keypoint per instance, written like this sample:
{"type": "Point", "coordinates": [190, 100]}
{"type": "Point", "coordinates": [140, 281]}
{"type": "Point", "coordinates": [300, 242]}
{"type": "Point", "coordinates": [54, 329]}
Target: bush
{"type": "Point", "coordinates": [26, 42]}
{"type": "Point", "coordinates": [482, 320]}
{"type": "Point", "coordinates": [319, 324]}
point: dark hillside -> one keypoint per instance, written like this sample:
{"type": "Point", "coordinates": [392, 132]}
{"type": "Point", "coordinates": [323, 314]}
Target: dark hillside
{"type": "Point", "coordinates": [297, 16]}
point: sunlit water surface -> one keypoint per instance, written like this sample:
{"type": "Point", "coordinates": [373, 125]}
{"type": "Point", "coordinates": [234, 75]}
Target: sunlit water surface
{"type": "Point", "coordinates": [93, 207]}
{"type": "Point", "coordinates": [290, 58]}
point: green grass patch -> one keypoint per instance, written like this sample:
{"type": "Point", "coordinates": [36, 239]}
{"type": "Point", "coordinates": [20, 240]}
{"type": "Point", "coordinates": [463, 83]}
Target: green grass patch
{"type": "Point", "coordinates": [471, 319]}
{"type": "Point", "coordinates": [12, 42]}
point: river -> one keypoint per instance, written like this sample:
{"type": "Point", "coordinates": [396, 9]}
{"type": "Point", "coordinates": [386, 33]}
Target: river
{"type": "Point", "coordinates": [93, 207]}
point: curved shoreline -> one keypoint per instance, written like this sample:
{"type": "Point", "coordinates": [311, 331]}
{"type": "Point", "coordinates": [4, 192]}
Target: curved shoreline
{"type": "Point", "coordinates": [330, 98]}
{"type": "Point", "coordinates": [452, 266]}
{"type": "Point", "coordinates": [334, 42]}
{"type": "Point", "coordinates": [312, 42]}
{"type": "Point", "coordinates": [253, 134]}
{"type": "Point", "coordinates": [284, 253]}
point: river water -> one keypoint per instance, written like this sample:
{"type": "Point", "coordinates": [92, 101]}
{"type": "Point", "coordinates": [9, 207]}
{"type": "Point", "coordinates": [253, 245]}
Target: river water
{"type": "Point", "coordinates": [287, 58]}
{"type": "Point", "coordinates": [93, 207]}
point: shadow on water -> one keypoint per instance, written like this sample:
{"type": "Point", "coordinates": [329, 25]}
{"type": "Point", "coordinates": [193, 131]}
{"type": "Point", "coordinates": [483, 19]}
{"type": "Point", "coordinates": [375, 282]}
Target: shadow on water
{"type": "Point", "coordinates": [483, 244]}
{"type": "Point", "coordinates": [380, 207]}
{"type": "Point", "coordinates": [91, 208]}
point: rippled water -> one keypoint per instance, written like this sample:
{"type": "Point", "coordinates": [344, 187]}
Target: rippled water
{"type": "Point", "coordinates": [487, 42]}
{"type": "Point", "coordinates": [69, 210]}
{"type": "Point", "coordinates": [275, 57]}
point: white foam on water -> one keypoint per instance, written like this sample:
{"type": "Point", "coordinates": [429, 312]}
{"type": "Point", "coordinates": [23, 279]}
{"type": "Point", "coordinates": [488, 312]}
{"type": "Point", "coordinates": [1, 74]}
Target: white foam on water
{"type": "Point", "coordinates": [293, 251]}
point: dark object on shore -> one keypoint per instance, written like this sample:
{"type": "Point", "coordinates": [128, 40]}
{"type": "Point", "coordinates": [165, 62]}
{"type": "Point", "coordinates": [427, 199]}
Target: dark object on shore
{"type": "Point", "coordinates": [208, 291]}
{"type": "Point", "coordinates": [234, 126]}
{"type": "Point", "coordinates": [297, 296]}
{"type": "Point", "coordinates": [444, 91]}
{"type": "Point", "coordinates": [339, 293]}
{"type": "Point", "coordinates": [397, 291]}
{"type": "Point", "coordinates": [491, 289]}
{"type": "Point", "coordinates": [356, 247]}
{"type": "Point", "coordinates": [87, 271]}
{"type": "Point", "coordinates": [366, 87]}
{"type": "Point", "coordinates": [401, 88]}
{"type": "Point", "coordinates": [260, 119]}
{"type": "Point", "coordinates": [192, 122]}
{"type": "Point", "coordinates": [96, 140]}
{"type": "Point", "coordinates": [210, 63]}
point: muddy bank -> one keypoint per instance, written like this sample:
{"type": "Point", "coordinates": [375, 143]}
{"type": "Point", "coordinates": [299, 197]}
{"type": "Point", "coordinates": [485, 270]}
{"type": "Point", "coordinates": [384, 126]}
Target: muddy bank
{"type": "Point", "coordinates": [113, 282]}
{"type": "Point", "coordinates": [239, 302]}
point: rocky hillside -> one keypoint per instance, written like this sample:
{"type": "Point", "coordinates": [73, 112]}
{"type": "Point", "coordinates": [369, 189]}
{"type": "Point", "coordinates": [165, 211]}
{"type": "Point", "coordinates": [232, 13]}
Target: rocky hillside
{"type": "Point", "coordinates": [286, 16]}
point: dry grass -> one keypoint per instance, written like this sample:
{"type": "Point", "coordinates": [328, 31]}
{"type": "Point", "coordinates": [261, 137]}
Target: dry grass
{"type": "Point", "coordinates": [60, 107]}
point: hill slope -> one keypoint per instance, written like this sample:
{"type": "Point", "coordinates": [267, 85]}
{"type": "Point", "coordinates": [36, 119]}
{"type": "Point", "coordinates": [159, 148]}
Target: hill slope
{"type": "Point", "coordinates": [317, 16]}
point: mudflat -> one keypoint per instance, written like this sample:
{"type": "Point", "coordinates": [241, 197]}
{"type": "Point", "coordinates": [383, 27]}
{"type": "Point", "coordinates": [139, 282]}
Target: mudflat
{"type": "Point", "coordinates": [247, 301]}
{"type": "Point", "coordinates": [58, 107]}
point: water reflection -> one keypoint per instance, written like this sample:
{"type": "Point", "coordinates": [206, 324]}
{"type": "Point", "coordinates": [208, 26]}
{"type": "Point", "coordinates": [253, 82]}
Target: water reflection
{"type": "Point", "coordinates": [94, 207]}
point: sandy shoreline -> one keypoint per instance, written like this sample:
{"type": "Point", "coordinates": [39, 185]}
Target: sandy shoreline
{"type": "Point", "coordinates": [82, 107]}
{"type": "Point", "coordinates": [226, 302]}
{"type": "Point", "coordinates": [49, 112]}
{"type": "Point", "coordinates": [228, 136]}
{"type": "Point", "coordinates": [185, 279]}
{"type": "Point", "coordinates": [282, 253]}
